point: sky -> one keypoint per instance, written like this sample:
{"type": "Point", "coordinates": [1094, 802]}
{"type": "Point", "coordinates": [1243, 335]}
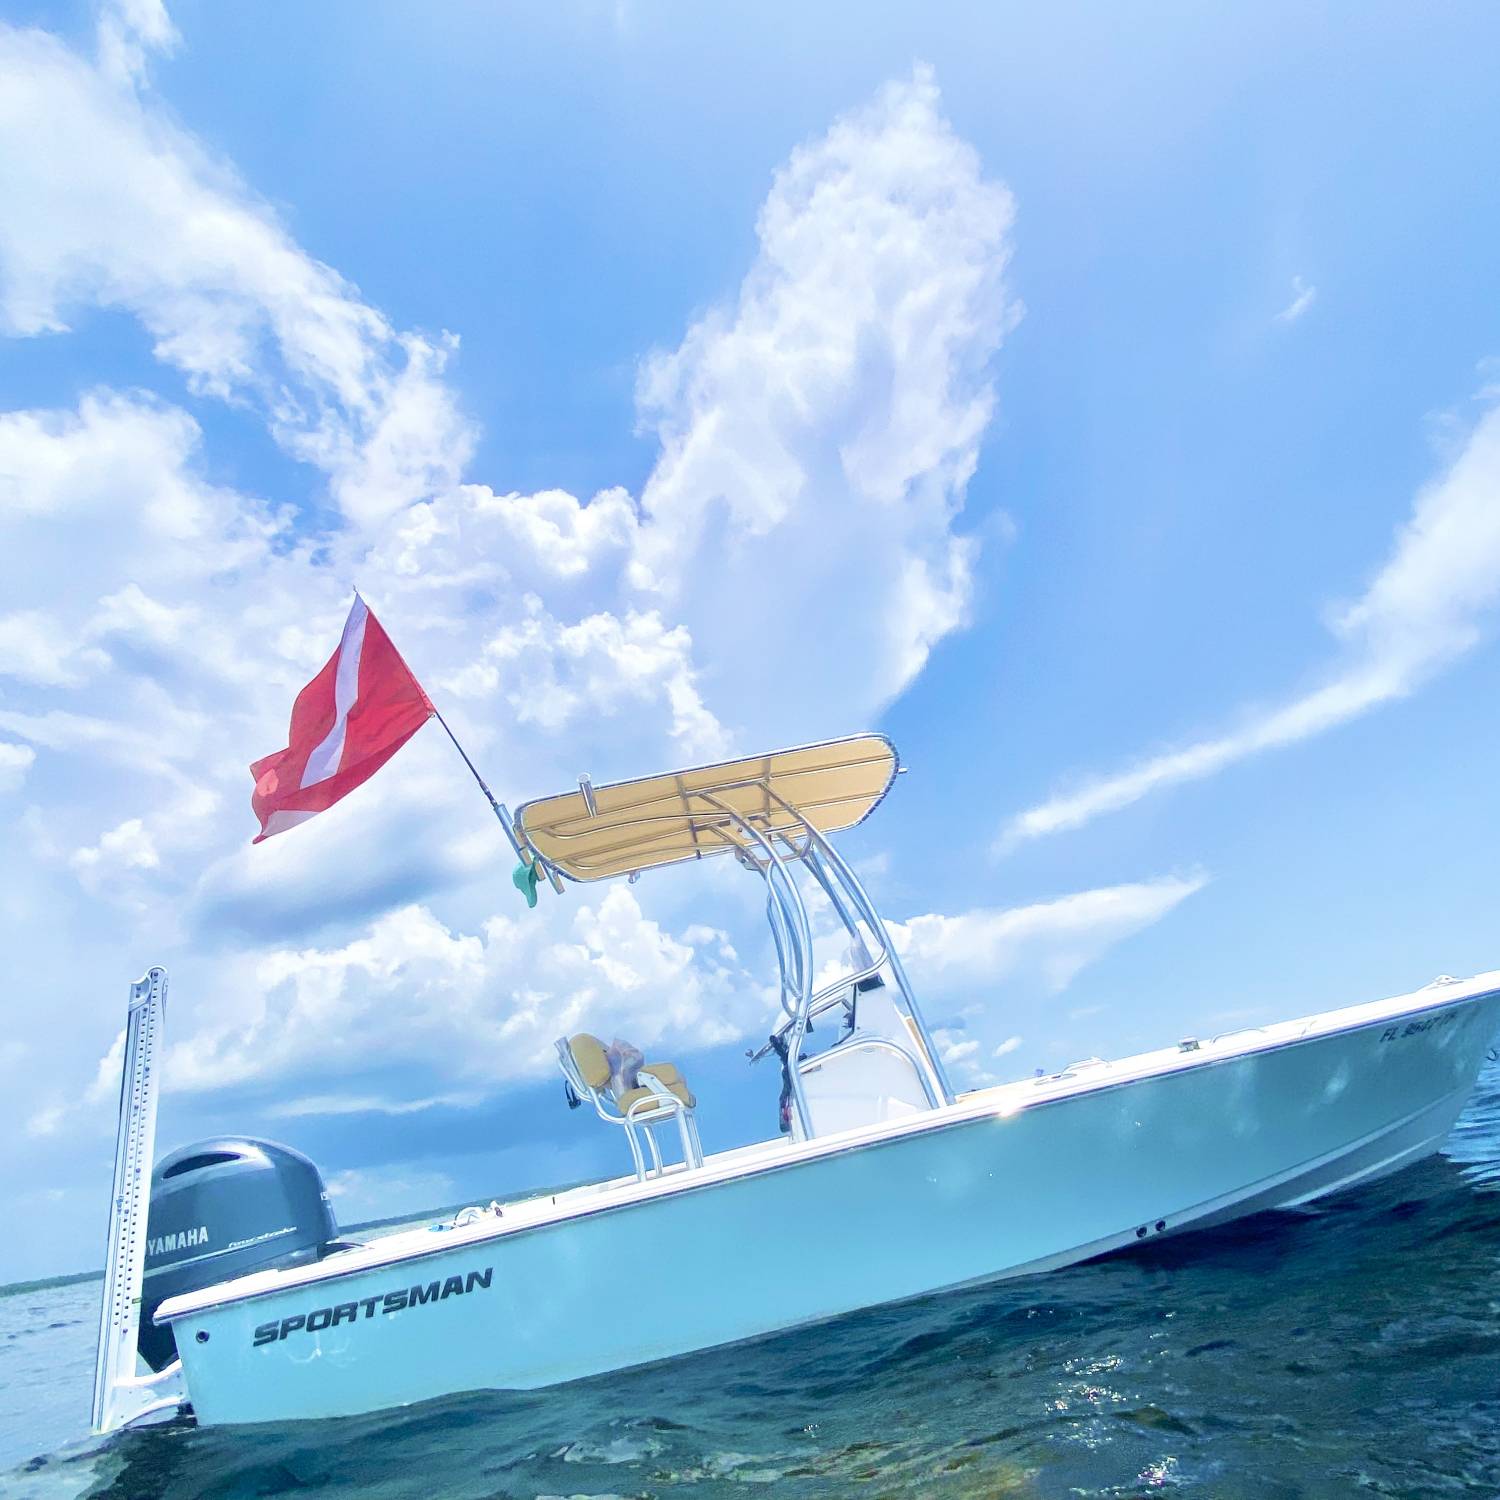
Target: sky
{"type": "Point", "coordinates": [1104, 405]}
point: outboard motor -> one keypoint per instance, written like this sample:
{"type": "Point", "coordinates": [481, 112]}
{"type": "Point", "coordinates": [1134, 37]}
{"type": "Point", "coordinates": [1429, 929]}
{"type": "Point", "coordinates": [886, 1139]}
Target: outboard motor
{"type": "Point", "coordinates": [223, 1208]}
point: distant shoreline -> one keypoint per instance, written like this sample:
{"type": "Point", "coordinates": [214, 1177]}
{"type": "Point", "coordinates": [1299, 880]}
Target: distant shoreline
{"type": "Point", "coordinates": [46, 1283]}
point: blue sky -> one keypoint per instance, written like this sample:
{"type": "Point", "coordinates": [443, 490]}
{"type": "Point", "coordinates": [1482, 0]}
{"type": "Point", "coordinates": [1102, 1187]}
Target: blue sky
{"type": "Point", "coordinates": [1109, 400]}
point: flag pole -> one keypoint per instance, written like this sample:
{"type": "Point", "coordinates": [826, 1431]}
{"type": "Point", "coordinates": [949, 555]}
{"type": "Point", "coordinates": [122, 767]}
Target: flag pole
{"type": "Point", "coordinates": [527, 857]}
{"type": "Point", "coordinates": [501, 811]}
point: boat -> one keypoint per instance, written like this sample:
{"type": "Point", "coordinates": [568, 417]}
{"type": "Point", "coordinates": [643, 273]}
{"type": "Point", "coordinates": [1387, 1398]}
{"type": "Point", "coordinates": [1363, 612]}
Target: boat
{"type": "Point", "coordinates": [880, 1182]}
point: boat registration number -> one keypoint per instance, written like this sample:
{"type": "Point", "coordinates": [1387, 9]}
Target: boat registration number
{"type": "Point", "coordinates": [1416, 1028]}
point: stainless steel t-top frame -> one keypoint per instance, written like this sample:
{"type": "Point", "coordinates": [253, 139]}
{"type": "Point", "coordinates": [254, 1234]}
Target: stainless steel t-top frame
{"type": "Point", "coordinates": [771, 853]}
{"type": "Point", "coordinates": [766, 811]}
{"type": "Point", "coordinates": [792, 935]}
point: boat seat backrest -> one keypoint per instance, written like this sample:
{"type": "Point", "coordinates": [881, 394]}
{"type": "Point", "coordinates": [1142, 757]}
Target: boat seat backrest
{"type": "Point", "coordinates": [590, 1059]}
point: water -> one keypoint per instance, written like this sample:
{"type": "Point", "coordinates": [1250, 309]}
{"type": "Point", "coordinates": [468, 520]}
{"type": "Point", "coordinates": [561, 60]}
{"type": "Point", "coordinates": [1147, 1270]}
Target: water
{"type": "Point", "coordinates": [1349, 1350]}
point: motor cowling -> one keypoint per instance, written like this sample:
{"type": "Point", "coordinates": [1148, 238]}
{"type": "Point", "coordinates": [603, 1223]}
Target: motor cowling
{"type": "Point", "coordinates": [224, 1208]}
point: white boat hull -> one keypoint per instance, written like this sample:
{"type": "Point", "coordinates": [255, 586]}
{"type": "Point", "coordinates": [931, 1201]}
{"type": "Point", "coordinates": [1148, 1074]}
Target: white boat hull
{"type": "Point", "coordinates": [1014, 1180]}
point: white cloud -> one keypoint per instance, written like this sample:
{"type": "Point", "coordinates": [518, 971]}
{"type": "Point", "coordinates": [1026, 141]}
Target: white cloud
{"type": "Point", "coordinates": [563, 537]}
{"type": "Point", "coordinates": [122, 458]}
{"type": "Point", "coordinates": [133, 614]}
{"type": "Point", "coordinates": [121, 852]}
{"type": "Point", "coordinates": [128, 31]}
{"type": "Point", "coordinates": [955, 1052]}
{"type": "Point", "coordinates": [15, 762]}
{"type": "Point", "coordinates": [1426, 607]}
{"type": "Point", "coordinates": [1303, 297]}
{"type": "Point", "coordinates": [110, 204]}
{"type": "Point", "coordinates": [976, 971]}
{"type": "Point", "coordinates": [483, 1007]}
{"type": "Point", "coordinates": [1045, 944]}
{"type": "Point", "coordinates": [552, 674]}
{"type": "Point", "coordinates": [818, 433]}
{"type": "Point", "coordinates": [33, 650]}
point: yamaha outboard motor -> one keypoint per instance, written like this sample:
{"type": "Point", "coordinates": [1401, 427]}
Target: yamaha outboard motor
{"type": "Point", "coordinates": [221, 1209]}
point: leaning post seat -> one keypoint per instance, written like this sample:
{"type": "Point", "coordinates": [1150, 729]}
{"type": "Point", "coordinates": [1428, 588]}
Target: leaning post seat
{"type": "Point", "coordinates": [661, 1094]}
{"type": "Point", "coordinates": [667, 1075]}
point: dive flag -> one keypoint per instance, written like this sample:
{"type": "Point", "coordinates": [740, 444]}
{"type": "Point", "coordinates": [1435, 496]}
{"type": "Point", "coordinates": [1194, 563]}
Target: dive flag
{"type": "Point", "coordinates": [346, 723]}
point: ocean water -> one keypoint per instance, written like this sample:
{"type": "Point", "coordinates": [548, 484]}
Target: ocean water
{"type": "Point", "coordinates": [1352, 1349]}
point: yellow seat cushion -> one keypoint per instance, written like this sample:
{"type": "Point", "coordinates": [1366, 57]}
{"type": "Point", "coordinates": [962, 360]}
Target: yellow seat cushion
{"type": "Point", "coordinates": [588, 1053]}
{"type": "Point", "coordinates": [668, 1074]}
{"type": "Point", "coordinates": [676, 1085]}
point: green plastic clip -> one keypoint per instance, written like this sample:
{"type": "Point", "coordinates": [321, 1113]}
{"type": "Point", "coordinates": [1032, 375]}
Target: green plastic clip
{"type": "Point", "coordinates": [525, 880]}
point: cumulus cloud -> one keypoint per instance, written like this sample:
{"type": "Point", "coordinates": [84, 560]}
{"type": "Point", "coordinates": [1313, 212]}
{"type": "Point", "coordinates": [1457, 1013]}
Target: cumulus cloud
{"type": "Point", "coordinates": [818, 433]}
{"type": "Point", "coordinates": [1431, 602]}
{"type": "Point", "coordinates": [564, 537]}
{"type": "Point", "coordinates": [551, 674]}
{"type": "Point", "coordinates": [128, 457]}
{"type": "Point", "coordinates": [127, 847]}
{"type": "Point", "coordinates": [483, 1006]}
{"type": "Point", "coordinates": [32, 650]}
{"type": "Point", "coordinates": [110, 204]}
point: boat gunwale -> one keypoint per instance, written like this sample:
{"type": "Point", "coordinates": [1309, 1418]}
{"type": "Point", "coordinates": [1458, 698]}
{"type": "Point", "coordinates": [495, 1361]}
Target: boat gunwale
{"type": "Point", "coordinates": [964, 1111]}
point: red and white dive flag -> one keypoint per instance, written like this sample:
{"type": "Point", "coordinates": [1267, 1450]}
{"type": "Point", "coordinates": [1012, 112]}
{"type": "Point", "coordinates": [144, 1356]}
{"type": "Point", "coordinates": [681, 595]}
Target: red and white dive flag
{"type": "Point", "coordinates": [346, 723]}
